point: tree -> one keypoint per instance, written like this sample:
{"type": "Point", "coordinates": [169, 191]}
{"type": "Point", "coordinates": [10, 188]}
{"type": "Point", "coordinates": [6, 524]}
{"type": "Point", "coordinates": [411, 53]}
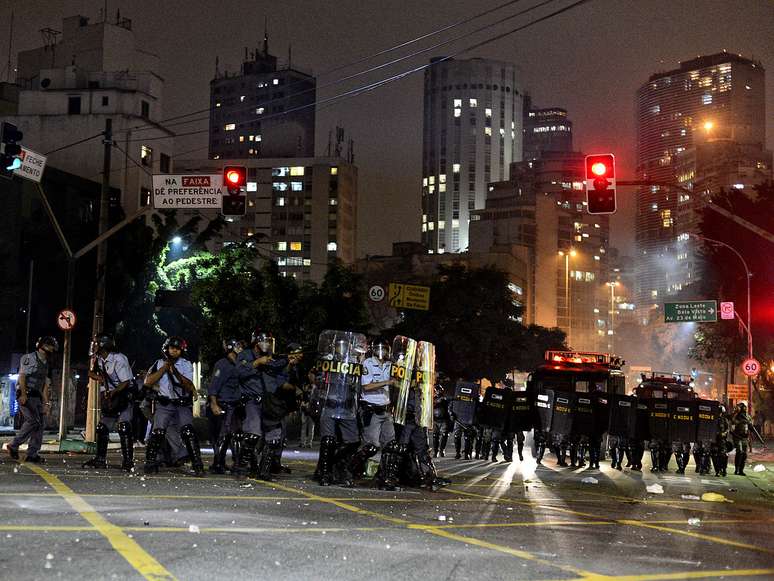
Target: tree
{"type": "Point", "coordinates": [724, 276]}
{"type": "Point", "coordinates": [473, 321]}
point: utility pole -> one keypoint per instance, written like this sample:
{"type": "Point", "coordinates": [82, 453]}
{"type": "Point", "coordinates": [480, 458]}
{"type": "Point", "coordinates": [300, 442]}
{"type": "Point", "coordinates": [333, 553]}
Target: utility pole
{"type": "Point", "coordinates": [92, 408]}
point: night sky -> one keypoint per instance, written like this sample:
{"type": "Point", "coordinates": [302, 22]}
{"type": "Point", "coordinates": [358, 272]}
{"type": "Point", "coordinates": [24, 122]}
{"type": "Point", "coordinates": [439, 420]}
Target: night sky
{"type": "Point", "coordinates": [589, 60]}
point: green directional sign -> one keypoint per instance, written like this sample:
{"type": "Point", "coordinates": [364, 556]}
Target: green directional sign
{"type": "Point", "coordinates": [691, 312]}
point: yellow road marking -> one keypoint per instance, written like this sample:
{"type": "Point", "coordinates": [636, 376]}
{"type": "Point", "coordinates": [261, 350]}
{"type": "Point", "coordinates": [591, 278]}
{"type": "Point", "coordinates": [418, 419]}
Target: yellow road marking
{"type": "Point", "coordinates": [693, 575]}
{"type": "Point", "coordinates": [510, 551]}
{"type": "Point", "coordinates": [701, 536]}
{"type": "Point", "coordinates": [134, 554]}
{"type": "Point", "coordinates": [51, 528]}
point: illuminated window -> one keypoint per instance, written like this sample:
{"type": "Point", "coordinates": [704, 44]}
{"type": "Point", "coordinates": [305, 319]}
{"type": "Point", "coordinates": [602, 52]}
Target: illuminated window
{"type": "Point", "coordinates": [280, 201]}
{"type": "Point", "coordinates": [488, 112]}
{"type": "Point", "coordinates": [457, 112]}
{"type": "Point", "coordinates": [282, 246]}
{"type": "Point", "coordinates": [706, 99]}
{"type": "Point", "coordinates": [474, 102]}
{"type": "Point", "coordinates": [279, 186]}
{"type": "Point", "coordinates": [432, 180]}
{"type": "Point", "coordinates": [333, 202]}
{"type": "Point", "coordinates": [458, 102]}
{"type": "Point", "coordinates": [488, 131]}
{"type": "Point", "coordinates": [242, 138]}
{"type": "Point", "coordinates": [241, 98]}
{"type": "Point", "coordinates": [297, 186]}
{"type": "Point", "coordinates": [332, 246]}
{"type": "Point", "coordinates": [229, 127]}
{"type": "Point", "coordinates": [441, 187]}
{"type": "Point", "coordinates": [275, 81]}
{"type": "Point", "coordinates": [441, 224]}
{"type": "Point", "coordinates": [252, 186]}
{"type": "Point", "coordinates": [260, 110]}
{"type": "Point", "coordinates": [217, 104]}
{"type": "Point", "coordinates": [431, 225]}
{"type": "Point", "coordinates": [456, 168]}
{"type": "Point", "coordinates": [307, 262]}
{"type": "Point", "coordinates": [295, 246]}
{"type": "Point", "coordinates": [280, 171]}
{"type": "Point", "coordinates": [297, 170]}
{"type": "Point", "coordinates": [334, 171]}
{"type": "Point", "coordinates": [442, 178]}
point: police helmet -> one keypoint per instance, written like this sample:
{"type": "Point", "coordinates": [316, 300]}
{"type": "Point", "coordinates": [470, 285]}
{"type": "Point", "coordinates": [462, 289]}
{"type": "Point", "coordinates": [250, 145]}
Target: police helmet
{"type": "Point", "coordinates": [380, 350]}
{"type": "Point", "coordinates": [722, 408]}
{"type": "Point", "coordinates": [264, 340]}
{"type": "Point", "coordinates": [232, 345]}
{"type": "Point", "coordinates": [742, 406]}
{"type": "Point", "coordinates": [295, 349]}
{"type": "Point", "coordinates": [173, 341]}
{"type": "Point", "coordinates": [47, 341]}
{"type": "Point", "coordinates": [102, 342]}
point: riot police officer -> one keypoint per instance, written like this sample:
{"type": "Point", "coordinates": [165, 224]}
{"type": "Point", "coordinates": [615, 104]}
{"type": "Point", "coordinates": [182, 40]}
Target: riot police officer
{"type": "Point", "coordinates": [114, 374]}
{"type": "Point", "coordinates": [721, 444]}
{"type": "Point", "coordinates": [224, 398]}
{"type": "Point", "coordinates": [172, 377]}
{"type": "Point", "coordinates": [283, 401]}
{"type": "Point", "coordinates": [374, 406]}
{"type": "Point", "coordinates": [741, 426]}
{"type": "Point", "coordinates": [32, 393]}
{"type": "Point", "coordinates": [259, 373]}
{"type": "Point", "coordinates": [441, 420]}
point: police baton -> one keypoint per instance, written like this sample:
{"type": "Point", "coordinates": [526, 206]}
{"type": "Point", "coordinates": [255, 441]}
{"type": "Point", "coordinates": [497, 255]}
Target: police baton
{"type": "Point", "coordinates": [754, 431]}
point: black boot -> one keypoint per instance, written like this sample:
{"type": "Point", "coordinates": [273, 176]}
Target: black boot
{"type": "Point", "coordinates": [127, 445]}
{"type": "Point", "coordinates": [436, 443]}
{"type": "Point", "coordinates": [742, 461]}
{"type": "Point", "coordinates": [264, 471]}
{"type": "Point", "coordinates": [582, 456]}
{"type": "Point", "coordinates": [442, 446]}
{"type": "Point", "coordinates": [248, 444]}
{"type": "Point", "coordinates": [613, 457]}
{"type": "Point", "coordinates": [342, 462]}
{"type": "Point", "coordinates": [218, 465]}
{"type": "Point", "coordinates": [562, 456]}
{"type": "Point", "coordinates": [540, 452]}
{"type": "Point", "coordinates": [430, 478]}
{"type": "Point", "coordinates": [357, 464]}
{"type": "Point", "coordinates": [100, 458]}
{"type": "Point", "coordinates": [191, 441]}
{"type": "Point", "coordinates": [327, 451]}
{"type": "Point", "coordinates": [155, 442]}
{"type": "Point", "coordinates": [389, 467]}
{"type": "Point", "coordinates": [628, 455]}
{"type": "Point", "coordinates": [654, 465]}
{"type": "Point", "coordinates": [457, 446]}
{"type": "Point", "coordinates": [468, 447]}
{"type": "Point", "coordinates": [507, 447]}
{"type": "Point", "coordinates": [520, 450]}
{"type": "Point", "coordinates": [680, 463]}
{"type": "Point", "coordinates": [724, 464]}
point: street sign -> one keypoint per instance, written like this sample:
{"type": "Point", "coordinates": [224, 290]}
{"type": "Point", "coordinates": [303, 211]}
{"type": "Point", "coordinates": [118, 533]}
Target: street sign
{"type": "Point", "coordinates": [727, 310]}
{"type": "Point", "coordinates": [751, 367]}
{"type": "Point", "coordinates": [187, 191]}
{"type": "Point", "coordinates": [737, 391]}
{"type": "Point", "coordinates": [376, 293]}
{"type": "Point", "coordinates": [691, 312]}
{"type": "Point", "coordinates": [409, 296]}
{"type": "Point", "coordinates": [66, 319]}
{"type": "Point", "coordinates": [32, 165]}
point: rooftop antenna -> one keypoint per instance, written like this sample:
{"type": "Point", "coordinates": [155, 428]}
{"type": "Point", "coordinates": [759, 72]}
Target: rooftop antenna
{"type": "Point", "coordinates": [10, 47]}
{"type": "Point", "coordinates": [265, 36]}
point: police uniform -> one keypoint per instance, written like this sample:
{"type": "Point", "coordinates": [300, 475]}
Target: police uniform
{"type": "Point", "coordinates": [741, 424]}
{"type": "Point", "coordinates": [36, 374]}
{"type": "Point", "coordinates": [441, 421]}
{"type": "Point", "coordinates": [114, 369]}
{"type": "Point", "coordinates": [224, 387]}
{"type": "Point", "coordinates": [719, 448]}
{"type": "Point", "coordinates": [254, 383]}
{"type": "Point", "coordinates": [414, 448]}
{"type": "Point", "coordinates": [174, 407]}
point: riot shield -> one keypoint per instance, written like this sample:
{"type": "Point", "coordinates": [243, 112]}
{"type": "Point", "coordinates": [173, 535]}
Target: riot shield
{"type": "Point", "coordinates": [544, 408]}
{"type": "Point", "coordinates": [495, 408]}
{"type": "Point", "coordinates": [584, 418]}
{"type": "Point", "coordinates": [658, 419]}
{"type": "Point", "coordinates": [682, 421]}
{"type": "Point", "coordinates": [424, 375]}
{"type": "Point", "coordinates": [520, 418]}
{"type": "Point", "coordinates": [642, 427]}
{"type": "Point", "coordinates": [707, 414]}
{"type": "Point", "coordinates": [602, 403]}
{"type": "Point", "coordinates": [339, 355]}
{"type": "Point", "coordinates": [623, 416]}
{"type": "Point", "coordinates": [404, 351]}
{"type": "Point", "coordinates": [564, 410]}
{"type": "Point", "coordinates": [465, 402]}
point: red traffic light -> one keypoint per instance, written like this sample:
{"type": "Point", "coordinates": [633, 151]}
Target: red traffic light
{"type": "Point", "coordinates": [600, 183]}
{"type": "Point", "coordinates": [234, 177]}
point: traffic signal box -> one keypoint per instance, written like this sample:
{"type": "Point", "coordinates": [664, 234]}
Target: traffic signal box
{"type": "Point", "coordinates": [600, 183]}
{"type": "Point", "coordinates": [235, 180]}
{"type": "Point", "coordinates": [10, 150]}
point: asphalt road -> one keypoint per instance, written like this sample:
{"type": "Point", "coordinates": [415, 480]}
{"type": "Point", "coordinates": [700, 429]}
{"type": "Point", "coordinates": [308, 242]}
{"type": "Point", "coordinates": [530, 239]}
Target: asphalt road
{"type": "Point", "coordinates": [496, 521]}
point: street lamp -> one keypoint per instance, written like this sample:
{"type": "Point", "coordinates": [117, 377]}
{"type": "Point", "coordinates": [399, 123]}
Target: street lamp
{"type": "Point", "coordinates": [749, 311]}
{"type": "Point", "coordinates": [567, 256]}
{"type": "Point", "coordinates": [611, 331]}
{"type": "Point", "coordinates": [176, 240]}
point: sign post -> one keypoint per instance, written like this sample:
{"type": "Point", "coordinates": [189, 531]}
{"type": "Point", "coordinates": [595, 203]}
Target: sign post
{"type": "Point", "coordinates": [727, 310]}
{"type": "Point", "coordinates": [751, 367]}
{"type": "Point", "coordinates": [376, 293]}
{"type": "Point", "coordinates": [691, 312]}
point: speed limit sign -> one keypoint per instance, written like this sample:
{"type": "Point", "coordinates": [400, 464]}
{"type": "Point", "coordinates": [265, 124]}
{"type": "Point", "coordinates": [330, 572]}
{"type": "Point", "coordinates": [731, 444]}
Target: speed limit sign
{"type": "Point", "coordinates": [751, 367]}
{"type": "Point", "coordinates": [376, 293]}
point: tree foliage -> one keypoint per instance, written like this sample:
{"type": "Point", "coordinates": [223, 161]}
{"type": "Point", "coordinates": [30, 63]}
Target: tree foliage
{"type": "Point", "coordinates": [473, 321]}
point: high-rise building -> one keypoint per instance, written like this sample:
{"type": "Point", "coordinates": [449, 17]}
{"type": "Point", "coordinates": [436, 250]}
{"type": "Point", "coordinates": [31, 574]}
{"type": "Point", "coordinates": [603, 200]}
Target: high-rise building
{"type": "Point", "coordinates": [84, 74]}
{"type": "Point", "coordinates": [301, 212]}
{"type": "Point", "coordinates": [720, 96]}
{"type": "Point", "coordinates": [472, 133]}
{"type": "Point", "coordinates": [545, 130]}
{"type": "Point", "coordinates": [266, 110]}
{"type": "Point", "coordinates": [542, 208]}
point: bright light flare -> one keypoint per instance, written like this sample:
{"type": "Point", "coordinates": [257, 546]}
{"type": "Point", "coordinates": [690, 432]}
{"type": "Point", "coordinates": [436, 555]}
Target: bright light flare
{"type": "Point", "coordinates": [233, 177]}
{"type": "Point", "coordinates": [708, 125]}
{"type": "Point", "coordinates": [598, 168]}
